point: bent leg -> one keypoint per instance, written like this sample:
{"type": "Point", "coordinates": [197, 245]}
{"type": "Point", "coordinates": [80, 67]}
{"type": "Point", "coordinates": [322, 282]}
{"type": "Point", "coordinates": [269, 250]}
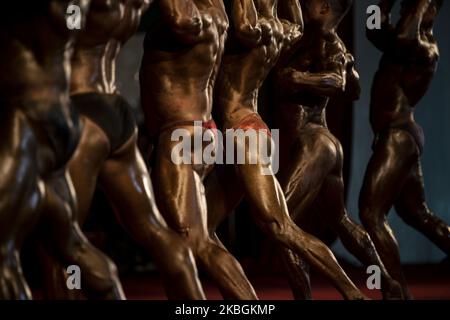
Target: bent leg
{"type": "Point", "coordinates": [181, 198]}
{"type": "Point", "coordinates": [63, 235]}
{"type": "Point", "coordinates": [54, 276]}
{"type": "Point", "coordinates": [226, 271]}
{"type": "Point", "coordinates": [270, 212]}
{"type": "Point", "coordinates": [84, 167]}
{"type": "Point", "coordinates": [125, 180]}
{"type": "Point", "coordinates": [386, 173]}
{"type": "Point", "coordinates": [353, 236]}
{"type": "Point", "coordinates": [411, 206]}
{"type": "Point", "coordinates": [297, 273]}
{"type": "Point", "coordinates": [301, 182]}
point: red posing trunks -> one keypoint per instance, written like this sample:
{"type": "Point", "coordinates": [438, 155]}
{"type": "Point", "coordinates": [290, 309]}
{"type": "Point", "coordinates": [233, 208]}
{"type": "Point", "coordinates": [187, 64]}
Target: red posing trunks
{"type": "Point", "coordinates": [253, 121]}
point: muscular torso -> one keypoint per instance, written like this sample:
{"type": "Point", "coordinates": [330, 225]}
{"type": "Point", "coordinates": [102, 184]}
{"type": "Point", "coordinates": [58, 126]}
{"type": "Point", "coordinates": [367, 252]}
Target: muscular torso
{"type": "Point", "coordinates": [110, 23]}
{"type": "Point", "coordinates": [35, 55]}
{"type": "Point", "coordinates": [315, 54]}
{"type": "Point", "coordinates": [400, 83]}
{"type": "Point", "coordinates": [177, 79]}
{"type": "Point", "coordinates": [243, 72]}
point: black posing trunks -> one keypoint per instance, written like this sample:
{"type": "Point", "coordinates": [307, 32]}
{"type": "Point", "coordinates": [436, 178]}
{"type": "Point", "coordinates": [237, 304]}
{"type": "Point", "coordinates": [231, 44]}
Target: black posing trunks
{"type": "Point", "coordinates": [57, 125]}
{"type": "Point", "coordinates": [111, 112]}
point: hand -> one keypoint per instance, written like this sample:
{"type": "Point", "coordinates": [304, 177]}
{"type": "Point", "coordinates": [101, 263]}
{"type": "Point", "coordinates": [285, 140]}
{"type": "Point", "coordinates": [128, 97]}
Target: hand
{"type": "Point", "coordinates": [266, 31]}
{"type": "Point", "coordinates": [349, 61]}
{"type": "Point", "coordinates": [287, 73]}
{"type": "Point", "coordinates": [287, 78]}
{"type": "Point", "coordinates": [292, 32]}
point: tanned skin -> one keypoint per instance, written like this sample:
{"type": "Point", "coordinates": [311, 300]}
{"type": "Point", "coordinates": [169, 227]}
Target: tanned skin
{"type": "Point", "coordinates": [252, 51]}
{"type": "Point", "coordinates": [320, 68]}
{"type": "Point", "coordinates": [121, 173]}
{"type": "Point", "coordinates": [182, 55]}
{"type": "Point", "coordinates": [394, 175]}
{"type": "Point", "coordinates": [40, 131]}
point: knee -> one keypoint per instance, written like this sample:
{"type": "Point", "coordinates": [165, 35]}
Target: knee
{"type": "Point", "coordinates": [372, 219]}
{"type": "Point", "coordinates": [275, 230]}
{"type": "Point", "coordinates": [352, 229]}
{"type": "Point", "coordinates": [406, 216]}
{"type": "Point", "coordinates": [415, 216]}
{"type": "Point", "coordinates": [192, 239]}
{"type": "Point", "coordinates": [103, 280]}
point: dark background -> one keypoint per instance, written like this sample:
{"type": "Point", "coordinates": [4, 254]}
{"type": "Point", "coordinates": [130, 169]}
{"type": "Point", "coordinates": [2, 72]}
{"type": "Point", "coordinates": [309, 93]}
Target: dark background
{"type": "Point", "coordinates": [349, 123]}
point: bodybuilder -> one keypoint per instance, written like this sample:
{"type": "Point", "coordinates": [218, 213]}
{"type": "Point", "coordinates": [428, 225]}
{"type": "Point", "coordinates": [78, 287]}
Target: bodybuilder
{"type": "Point", "coordinates": [182, 54]}
{"type": "Point", "coordinates": [255, 44]}
{"type": "Point", "coordinates": [40, 130]}
{"type": "Point", "coordinates": [321, 67]}
{"type": "Point", "coordinates": [394, 174]}
{"type": "Point", "coordinates": [108, 152]}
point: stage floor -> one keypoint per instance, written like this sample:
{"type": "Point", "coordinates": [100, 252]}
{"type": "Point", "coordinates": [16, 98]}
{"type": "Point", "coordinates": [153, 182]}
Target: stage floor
{"type": "Point", "coordinates": [427, 282]}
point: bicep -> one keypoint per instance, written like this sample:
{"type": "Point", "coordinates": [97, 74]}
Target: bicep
{"type": "Point", "coordinates": [245, 22]}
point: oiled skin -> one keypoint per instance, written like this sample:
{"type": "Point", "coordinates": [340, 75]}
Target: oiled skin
{"type": "Point", "coordinates": [320, 67]}
{"type": "Point", "coordinates": [182, 55]}
{"type": "Point", "coordinates": [40, 131]}
{"type": "Point", "coordinates": [252, 51]}
{"type": "Point", "coordinates": [394, 175]}
{"type": "Point", "coordinates": [121, 173]}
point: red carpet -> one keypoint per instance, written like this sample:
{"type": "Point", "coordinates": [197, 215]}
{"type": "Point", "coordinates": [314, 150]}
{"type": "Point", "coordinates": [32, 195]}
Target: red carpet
{"type": "Point", "coordinates": [426, 282]}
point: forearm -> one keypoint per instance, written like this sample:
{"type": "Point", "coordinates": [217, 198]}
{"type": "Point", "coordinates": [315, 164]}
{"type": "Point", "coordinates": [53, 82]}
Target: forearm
{"type": "Point", "coordinates": [266, 7]}
{"type": "Point", "coordinates": [326, 83]}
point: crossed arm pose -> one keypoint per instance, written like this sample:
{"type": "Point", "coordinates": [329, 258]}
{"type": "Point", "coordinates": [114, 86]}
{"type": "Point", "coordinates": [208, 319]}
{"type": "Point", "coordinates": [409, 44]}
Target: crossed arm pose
{"type": "Point", "coordinates": [40, 130]}
{"type": "Point", "coordinates": [257, 38]}
{"type": "Point", "coordinates": [108, 154]}
{"type": "Point", "coordinates": [182, 55]}
{"type": "Point", "coordinates": [320, 68]}
{"type": "Point", "coordinates": [394, 175]}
